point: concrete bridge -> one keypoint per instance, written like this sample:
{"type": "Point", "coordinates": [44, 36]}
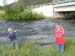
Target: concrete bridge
{"type": "Point", "coordinates": [64, 8]}
{"type": "Point", "coordinates": [59, 9]}
{"type": "Point", "coordinates": [69, 6]}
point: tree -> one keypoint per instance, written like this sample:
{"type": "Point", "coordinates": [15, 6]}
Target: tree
{"type": "Point", "coordinates": [12, 10]}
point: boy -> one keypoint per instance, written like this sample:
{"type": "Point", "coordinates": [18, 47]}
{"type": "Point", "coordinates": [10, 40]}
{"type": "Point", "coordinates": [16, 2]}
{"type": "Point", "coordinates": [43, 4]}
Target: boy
{"type": "Point", "coordinates": [12, 37]}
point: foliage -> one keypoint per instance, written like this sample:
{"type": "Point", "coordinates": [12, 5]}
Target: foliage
{"type": "Point", "coordinates": [37, 16]}
{"type": "Point", "coordinates": [1, 16]}
{"type": "Point", "coordinates": [12, 11]}
{"type": "Point", "coordinates": [17, 12]}
{"type": "Point", "coordinates": [28, 15]}
{"type": "Point", "coordinates": [69, 47]}
{"type": "Point", "coordinates": [29, 48]}
{"type": "Point", "coordinates": [69, 43]}
{"type": "Point", "coordinates": [26, 49]}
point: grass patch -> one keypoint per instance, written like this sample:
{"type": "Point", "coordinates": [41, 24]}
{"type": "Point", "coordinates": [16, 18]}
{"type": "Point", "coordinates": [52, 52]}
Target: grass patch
{"type": "Point", "coordinates": [29, 48]}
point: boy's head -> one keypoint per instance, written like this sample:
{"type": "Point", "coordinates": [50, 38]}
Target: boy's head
{"type": "Point", "coordinates": [10, 30]}
{"type": "Point", "coordinates": [57, 25]}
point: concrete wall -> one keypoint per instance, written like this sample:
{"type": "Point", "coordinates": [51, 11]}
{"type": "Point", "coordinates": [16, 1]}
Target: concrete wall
{"type": "Point", "coordinates": [45, 10]}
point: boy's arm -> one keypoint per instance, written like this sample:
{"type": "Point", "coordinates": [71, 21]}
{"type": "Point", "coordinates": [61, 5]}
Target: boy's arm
{"type": "Point", "coordinates": [15, 30]}
{"type": "Point", "coordinates": [63, 30]}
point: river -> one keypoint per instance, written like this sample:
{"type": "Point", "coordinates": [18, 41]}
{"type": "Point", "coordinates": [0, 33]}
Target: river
{"type": "Point", "coordinates": [39, 31]}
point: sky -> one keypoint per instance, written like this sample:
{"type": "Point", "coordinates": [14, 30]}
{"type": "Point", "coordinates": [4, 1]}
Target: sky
{"type": "Point", "coordinates": [8, 2]}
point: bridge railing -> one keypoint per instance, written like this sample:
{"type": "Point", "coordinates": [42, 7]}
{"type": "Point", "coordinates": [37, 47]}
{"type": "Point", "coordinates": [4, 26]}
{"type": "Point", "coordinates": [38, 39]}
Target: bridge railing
{"type": "Point", "coordinates": [62, 1]}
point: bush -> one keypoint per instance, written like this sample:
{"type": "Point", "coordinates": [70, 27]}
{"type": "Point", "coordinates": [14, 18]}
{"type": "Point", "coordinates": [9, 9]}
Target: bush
{"type": "Point", "coordinates": [11, 17]}
{"type": "Point", "coordinates": [28, 15]}
{"type": "Point", "coordinates": [36, 16]}
{"type": "Point", "coordinates": [2, 16]}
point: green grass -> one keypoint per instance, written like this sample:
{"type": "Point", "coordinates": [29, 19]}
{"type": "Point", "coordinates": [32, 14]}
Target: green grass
{"type": "Point", "coordinates": [29, 48]}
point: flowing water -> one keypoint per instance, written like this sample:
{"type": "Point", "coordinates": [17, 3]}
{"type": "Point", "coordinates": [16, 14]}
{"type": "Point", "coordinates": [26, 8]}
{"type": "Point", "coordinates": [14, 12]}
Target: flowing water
{"type": "Point", "coordinates": [40, 31]}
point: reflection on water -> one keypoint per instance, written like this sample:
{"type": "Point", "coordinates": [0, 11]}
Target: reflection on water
{"type": "Point", "coordinates": [40, 31]}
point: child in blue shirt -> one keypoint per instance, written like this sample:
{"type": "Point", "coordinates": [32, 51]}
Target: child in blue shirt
{"type": "Point", "coordinates": [12, 37]}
